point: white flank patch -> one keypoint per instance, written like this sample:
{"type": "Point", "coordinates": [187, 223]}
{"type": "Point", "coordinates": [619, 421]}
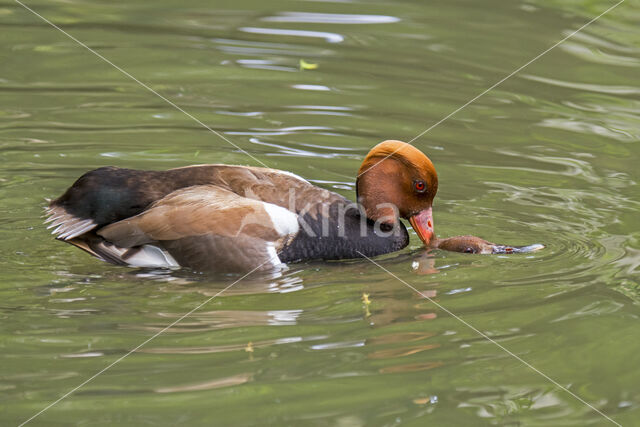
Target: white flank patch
{"type": "Point", "coordinates": [152, 256]}
{"type": "Point", "coordinates": [284, 221]}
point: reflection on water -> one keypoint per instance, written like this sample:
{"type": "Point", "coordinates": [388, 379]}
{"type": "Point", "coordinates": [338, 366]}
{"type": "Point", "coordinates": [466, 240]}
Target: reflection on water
{"type": "Point", "coordinates": [548, 156]}
{"type": "Point", "coordinates": [329, 37]}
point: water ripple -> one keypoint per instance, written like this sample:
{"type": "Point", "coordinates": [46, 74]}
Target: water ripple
{"type": "Point", "coordinates": [599, 88]}
{"type": "Point", "coordinates": [329, 37]}
{"type": "Point", "coordinates": [330, 18]}
{"type": "Point", "coordinates": [599, 57]}
{"type": "Point", "coordinates": [284, 150]}
{"type": "Point", "coordinates": [573, 125]}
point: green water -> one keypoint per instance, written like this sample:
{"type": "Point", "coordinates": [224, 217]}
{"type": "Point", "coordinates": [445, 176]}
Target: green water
{"type": "Point", "coordinates": [551, 156]}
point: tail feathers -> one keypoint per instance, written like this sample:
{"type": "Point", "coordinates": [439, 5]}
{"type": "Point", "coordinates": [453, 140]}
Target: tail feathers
{"type": "Point", "coordinates": [138, 256]}
{"type": "Point", "coordinates": [67, 226]}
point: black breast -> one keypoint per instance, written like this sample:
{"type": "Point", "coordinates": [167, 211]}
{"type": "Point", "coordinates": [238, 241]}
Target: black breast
{"type": "Point", "coordinates": [330, 237]}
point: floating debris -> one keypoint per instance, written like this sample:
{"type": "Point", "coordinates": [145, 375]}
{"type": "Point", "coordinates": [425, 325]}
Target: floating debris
{"type": "Point", "coordinates": [304, 65]}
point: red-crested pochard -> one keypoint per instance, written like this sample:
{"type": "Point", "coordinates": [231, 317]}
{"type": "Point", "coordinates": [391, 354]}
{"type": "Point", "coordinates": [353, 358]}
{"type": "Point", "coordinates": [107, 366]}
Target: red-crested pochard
{"type": "Point", "coordinates": [225, 218]}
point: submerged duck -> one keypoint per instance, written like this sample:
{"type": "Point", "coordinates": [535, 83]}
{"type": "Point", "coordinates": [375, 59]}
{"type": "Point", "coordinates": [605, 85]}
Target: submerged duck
{"type": "Point", "coordinates": [223, 218]}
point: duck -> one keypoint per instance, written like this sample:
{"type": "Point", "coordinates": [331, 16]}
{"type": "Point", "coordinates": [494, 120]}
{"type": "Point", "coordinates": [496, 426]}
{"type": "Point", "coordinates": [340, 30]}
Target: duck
{"type": "Point", "coordinates": [227, 218]}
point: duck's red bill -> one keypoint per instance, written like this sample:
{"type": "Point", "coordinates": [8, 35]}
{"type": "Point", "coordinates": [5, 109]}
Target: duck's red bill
{"type": "Point", "coordinates": [422, 223]}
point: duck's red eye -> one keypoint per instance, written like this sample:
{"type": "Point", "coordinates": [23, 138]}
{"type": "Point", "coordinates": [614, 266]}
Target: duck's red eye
{"type": "Point", "coordinates": [419, 186]}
